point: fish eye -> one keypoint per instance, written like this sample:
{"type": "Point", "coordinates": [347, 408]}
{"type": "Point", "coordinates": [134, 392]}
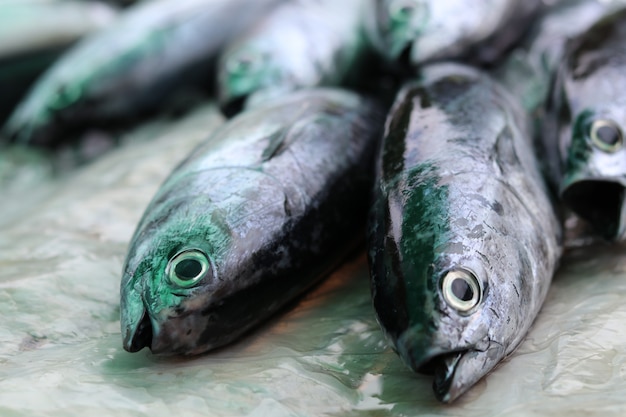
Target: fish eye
{"type": "Point", "coordinates": [244, 63]}
{"type": "Point", "coordinates": [461, 290]}
{"type": "Point", "coordinates": [188, 267]}
{"type": "Point", "coordinates": [402, 10]}
{"type": "Point", "coordinates": [606, 135]}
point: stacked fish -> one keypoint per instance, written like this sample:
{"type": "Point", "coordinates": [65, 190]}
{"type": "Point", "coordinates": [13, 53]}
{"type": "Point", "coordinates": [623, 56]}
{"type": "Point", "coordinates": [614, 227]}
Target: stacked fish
{"type": "Point", "coordinates": [466, 183]}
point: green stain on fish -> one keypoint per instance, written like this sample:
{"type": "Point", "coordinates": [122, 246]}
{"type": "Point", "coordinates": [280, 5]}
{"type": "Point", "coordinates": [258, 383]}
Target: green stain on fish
{"type": "Point", "coordinates": [424, 234]}
{"type": "Point", "coordinates": [580, 150]}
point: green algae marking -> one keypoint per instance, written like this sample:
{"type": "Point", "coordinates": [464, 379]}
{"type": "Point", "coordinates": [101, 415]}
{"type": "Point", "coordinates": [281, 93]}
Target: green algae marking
{"type": "Point", "coordinates": [425, 228]}
{"type": "Point", "coordinates": [580, 149]}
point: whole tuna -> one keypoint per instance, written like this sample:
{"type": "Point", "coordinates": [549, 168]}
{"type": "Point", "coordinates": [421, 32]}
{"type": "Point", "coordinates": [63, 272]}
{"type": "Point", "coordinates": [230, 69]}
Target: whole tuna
{"type": "Point", "coordinates": [588, 117]}
{"type": "Point", "coordinates": [463, 237]}
{"type": "Point", "coordinates": [302, 43]}
{"type": "Point", "coordinates": [254, 217]}
{"type": "Point", "coordinates": [154, 50]}
{"type": "Point", "coordinates": [425, 30]}
{"type": "Point", "coordinates": [33, 33]}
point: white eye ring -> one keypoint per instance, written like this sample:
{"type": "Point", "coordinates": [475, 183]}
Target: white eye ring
{"type": "Point", "coordinates": [606, 144]}
{"type": "Point", "coordinates": [461, 290]}
{"type": "Point", "coordinates": [188, 267]}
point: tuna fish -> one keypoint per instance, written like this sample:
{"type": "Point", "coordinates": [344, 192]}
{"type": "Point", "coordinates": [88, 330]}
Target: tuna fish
{"type": "Point", "coordinates": [586, 128]}
{"type": "Point", "coordinates": [33, 33]}
{"type": "Point", "coordinates": [419, 31]}
{"type": "Point", "coordinates": [302, 43]}
{"type": "Point", "coordinates": [464, 238]}
{"type": "Point", "coordinates": [154, 50]}
{"type": "Point", "coordinates": [255, 216]}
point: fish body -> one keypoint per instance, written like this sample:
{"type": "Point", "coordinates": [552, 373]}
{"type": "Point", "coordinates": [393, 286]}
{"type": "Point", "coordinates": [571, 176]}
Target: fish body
{"type": "Point", "coordinates": [538, 57]}
{"type": "Point", "coordinates": [463, 237]}
{"type": "Point", "coordinates": [251, 219]}
{"type": "Point", "coordinates": [153, 50]}
{"type": "Point", "coordinates": [33, 33]}
{"type": "Point", "coordinates": [302, 43]}
{"type": "Point", "coordinates": [420, 31]}
{"type": "Point", "coordinates": [585, 128]}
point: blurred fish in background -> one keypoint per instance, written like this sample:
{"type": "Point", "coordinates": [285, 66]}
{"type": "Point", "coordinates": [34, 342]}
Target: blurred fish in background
{"type": "Point", "coordinates": [588, 118]}
{"type": "Point", "coordinates": [155, 50]}
{"type": "Point", "coordinates": [301, 44]}
{"type": "Point", "coordinates": [419, 31]}
{"type": "Point", "coordinates": [33, 33]}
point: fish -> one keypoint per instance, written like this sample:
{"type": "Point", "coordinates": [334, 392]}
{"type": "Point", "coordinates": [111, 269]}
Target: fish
{"type": "Point", "coordinates": [420, 31]}
{"type": "Point", "coordinates": [155, 50]}
{"type": "Point", "coordinates": [537, 59]}
{"type": "Point", "coordinates": [255, 216]}
{"type": "Point", "coordinates": [585, 124]}
{"type": "Point", "coordinates": [33, 33]}
{"type": "Point", "coordinates": [301, 43]}
{"type": "Point", "coordinates": [463, 234]}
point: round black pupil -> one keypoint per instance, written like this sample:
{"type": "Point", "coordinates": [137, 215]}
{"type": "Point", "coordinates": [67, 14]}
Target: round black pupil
{"type": "Point", "coordinates": [608, 135]}
{"type": "Point", "coordinates": [462, 290]}
{"type": "Point", "coordinates": [188, 269]}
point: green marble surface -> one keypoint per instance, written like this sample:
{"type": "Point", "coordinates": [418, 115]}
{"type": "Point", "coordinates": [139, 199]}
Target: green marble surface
{"type": "Point", "coordinates": [62, 244]}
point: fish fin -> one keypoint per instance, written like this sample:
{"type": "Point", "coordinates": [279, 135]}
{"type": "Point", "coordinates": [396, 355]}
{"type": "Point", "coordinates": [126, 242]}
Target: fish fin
{"type": "Point", "coordinates": [505, 153]}
{"type": "Point", "coordinates": [276, 144]}
{"type": "Point", "coordinates": [280, 140]}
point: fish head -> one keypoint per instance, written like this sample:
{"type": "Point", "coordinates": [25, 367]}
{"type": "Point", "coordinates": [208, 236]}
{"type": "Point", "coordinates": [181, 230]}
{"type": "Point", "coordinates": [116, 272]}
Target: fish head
{"type": "Point", "coordinates": [39, 118]}
{"type": "Point", "coordinates": [449, 291]}
{"type": "Point", "coordinates": [243, 70]}
{"type": "Point", "coordinates": [594, 181]}
{"type": "Point", "coordinates": [400, 23]}
{"type": "Point", "coordinates": [590, 112]}
{"type": "Point", "coordinates": [170, 281]}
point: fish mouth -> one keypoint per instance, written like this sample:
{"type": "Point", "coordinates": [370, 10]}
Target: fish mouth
{"type": "Point", "coordinates": [404, 55]}
{"type": "Point", "coordinates": [455, 369]}
{"type": "Point", "coordinates": [234, 106]}
{"type": "Point", "coordinates": [443, 367]}
{"type": "Point", "coordinates": [601, 203]}
{"type": "Point", "coordinates": [141, 336]}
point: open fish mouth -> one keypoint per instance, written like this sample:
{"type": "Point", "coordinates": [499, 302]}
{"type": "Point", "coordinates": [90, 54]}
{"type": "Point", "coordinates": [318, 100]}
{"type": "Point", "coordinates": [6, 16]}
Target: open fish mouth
{"type": "Point", "coordinates": [141, 337]}
{"type": "Point", "coordinates": [444, 366]}
{"type": "Point", "coordinates": [601, 203]}
{"type": "Point", "coordinates": [455, 369]}
{"type": "Point", "coordinates": [404, 55]}
{"type": "Point", "coordinates": [234, 106]}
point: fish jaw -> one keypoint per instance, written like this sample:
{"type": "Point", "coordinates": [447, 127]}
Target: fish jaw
{"type": "Point", "coordinates": [136, 326]}
{"type": "Point", "coordinates": [456, 368]}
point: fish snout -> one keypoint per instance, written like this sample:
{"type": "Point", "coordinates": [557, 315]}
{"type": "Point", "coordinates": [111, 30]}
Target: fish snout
{"type": "Point", "coordinates": [601, 203]}
{"type": "Point", "coordinates": [232, 107]}
{"type": "Point", "coordinates": [140, 337]}
{"type": "Point", "coordinates": [455, 368]}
